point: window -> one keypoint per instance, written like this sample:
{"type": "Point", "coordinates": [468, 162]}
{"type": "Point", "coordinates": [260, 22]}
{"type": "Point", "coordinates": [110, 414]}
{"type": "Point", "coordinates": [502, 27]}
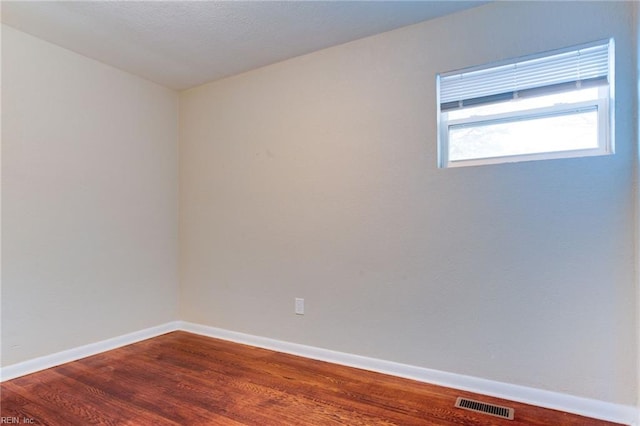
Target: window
{"type": "Point", "coordinates": [554, 105]}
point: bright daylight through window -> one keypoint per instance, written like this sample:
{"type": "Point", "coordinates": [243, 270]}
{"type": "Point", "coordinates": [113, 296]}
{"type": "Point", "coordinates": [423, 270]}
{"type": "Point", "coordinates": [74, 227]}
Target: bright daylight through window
{"type": "Point", "coordinates": [554, 105]}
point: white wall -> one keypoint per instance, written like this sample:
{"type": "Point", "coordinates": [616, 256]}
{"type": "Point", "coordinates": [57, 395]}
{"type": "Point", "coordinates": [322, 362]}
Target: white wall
{"type": "Point", "coordinates": [89, 195]}
{"type": "Point", "coordinates": [317, 178]}
{"type": "Point", "coordinates": [637, 193]}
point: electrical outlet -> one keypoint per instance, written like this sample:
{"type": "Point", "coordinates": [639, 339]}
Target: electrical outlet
{"type": "Point", "coordinates": [299, 306]}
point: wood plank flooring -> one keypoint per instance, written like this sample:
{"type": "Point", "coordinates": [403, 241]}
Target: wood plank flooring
{"type": "Point", "coordinates": [185, 379]}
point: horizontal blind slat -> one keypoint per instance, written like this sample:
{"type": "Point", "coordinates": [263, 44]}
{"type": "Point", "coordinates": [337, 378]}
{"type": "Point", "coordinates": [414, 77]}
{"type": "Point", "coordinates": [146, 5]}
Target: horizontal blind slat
{"type": "Point", "coordinates": [575, 65]}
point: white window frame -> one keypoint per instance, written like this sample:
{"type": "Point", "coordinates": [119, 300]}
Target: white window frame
{"type": "Point", "coordinates": [603, 105]}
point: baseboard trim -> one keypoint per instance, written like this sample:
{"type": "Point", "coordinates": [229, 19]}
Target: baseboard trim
{"type": "Point", "coordinates": [617, 413]}
{"type": "Point", "coordinates": [42, 363]}
{"type": "Point", "coordinates": [542, 398]}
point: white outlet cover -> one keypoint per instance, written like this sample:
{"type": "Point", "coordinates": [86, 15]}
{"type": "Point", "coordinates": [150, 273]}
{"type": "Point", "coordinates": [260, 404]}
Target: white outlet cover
{"type": "Point", "coordinates": [299, 306]}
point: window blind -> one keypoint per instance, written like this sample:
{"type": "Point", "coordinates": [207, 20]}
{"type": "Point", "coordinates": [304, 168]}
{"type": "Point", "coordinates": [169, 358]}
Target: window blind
{"type": "Point", "coordinates": [558, 70]}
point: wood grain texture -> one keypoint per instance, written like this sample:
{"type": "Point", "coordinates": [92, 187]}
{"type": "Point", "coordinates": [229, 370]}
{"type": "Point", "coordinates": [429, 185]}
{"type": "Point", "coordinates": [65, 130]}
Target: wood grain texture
{"type": "Point", "coordinates": [185, 379]}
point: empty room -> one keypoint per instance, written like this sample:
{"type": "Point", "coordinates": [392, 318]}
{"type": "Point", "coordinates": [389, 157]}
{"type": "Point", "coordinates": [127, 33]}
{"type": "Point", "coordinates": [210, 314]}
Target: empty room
{"type": "Point", "coordinates": [320, 213]}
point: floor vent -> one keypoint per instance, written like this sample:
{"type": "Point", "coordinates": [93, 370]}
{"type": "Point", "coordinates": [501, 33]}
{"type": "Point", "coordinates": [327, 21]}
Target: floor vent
{"type": "Point", "coordinates": [482, 407]}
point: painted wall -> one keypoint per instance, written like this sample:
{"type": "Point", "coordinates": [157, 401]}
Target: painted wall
{"type": "Point", "coordinates": [637, 193]}
{"type": "Point", "coordinates": [89, 196]}
{"type": "Point", "coordinates": [317, 178]}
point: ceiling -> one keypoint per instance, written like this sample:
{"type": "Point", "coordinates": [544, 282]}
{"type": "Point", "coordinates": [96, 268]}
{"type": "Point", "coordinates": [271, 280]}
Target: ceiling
{"type": "Point", "coordinates": [182, 44]}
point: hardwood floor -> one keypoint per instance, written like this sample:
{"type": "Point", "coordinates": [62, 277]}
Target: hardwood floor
{"type": "Point", "coordinates": [185, 379]}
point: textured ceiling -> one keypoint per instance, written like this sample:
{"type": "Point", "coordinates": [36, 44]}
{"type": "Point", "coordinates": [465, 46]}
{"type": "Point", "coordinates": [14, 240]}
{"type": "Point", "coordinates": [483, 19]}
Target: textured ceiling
{"type": "Point", "coordinates": [184, 44]}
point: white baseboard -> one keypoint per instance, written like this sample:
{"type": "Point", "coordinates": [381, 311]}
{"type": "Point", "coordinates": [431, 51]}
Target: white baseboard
{"type": "Point", "coordinates": [42, 363]}
{"type": "Point", "coordinates": [618, 413]}
{"type": "Point", "coordinates": [542, 398]}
